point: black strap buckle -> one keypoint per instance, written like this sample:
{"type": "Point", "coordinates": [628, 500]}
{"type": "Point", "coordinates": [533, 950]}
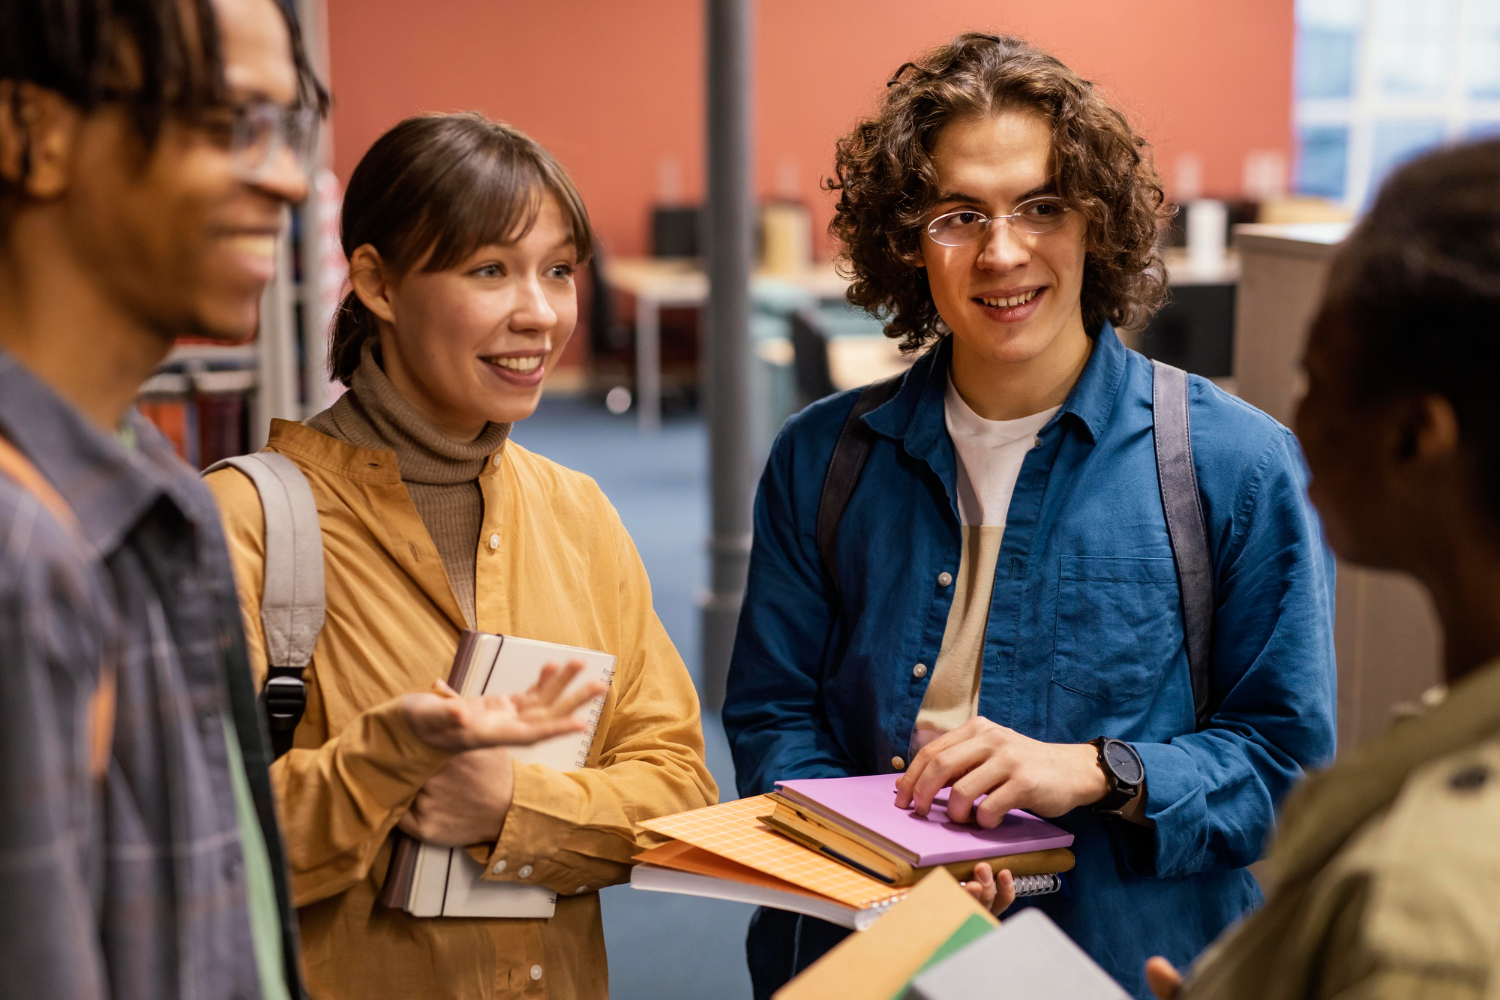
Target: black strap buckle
{"type": "Point", "coordinates": [286, 698]}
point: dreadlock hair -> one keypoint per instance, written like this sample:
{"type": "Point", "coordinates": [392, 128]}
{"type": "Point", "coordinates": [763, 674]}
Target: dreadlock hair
{"type": "Point", "coordinates": [81, 49]}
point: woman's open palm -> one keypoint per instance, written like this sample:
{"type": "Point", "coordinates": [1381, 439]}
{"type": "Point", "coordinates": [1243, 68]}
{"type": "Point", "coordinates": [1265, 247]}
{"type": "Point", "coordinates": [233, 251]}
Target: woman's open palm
{"type": "Point", "coordinates": [448, 721]}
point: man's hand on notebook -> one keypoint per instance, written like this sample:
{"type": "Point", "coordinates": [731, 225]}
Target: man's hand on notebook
{"type": "Point", "coordinates": [448, 721]}
{"type": "Point", "coordinates": [1011, 771]}
{"type": "Point", "coordinates": [993, 892]}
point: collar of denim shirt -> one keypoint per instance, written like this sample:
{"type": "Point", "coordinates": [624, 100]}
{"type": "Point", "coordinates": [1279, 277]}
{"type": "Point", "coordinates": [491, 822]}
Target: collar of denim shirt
{"type": "Point", "coordinates": [914, 416]}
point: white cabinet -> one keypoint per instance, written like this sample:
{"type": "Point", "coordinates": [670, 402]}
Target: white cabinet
{"type": "Point", "coordinates": [1386, 635]}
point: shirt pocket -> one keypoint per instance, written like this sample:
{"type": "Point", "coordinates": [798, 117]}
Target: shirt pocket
{"type": "Point", "coordinates": [1119, 624]}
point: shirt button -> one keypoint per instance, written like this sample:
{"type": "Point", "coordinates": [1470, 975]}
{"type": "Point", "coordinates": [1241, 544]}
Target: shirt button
{"type": "Point", "coordinates": [499, 867]}
{"type": "Point", "coordinates": [494, 541]}
{"type": "Point", "coordinates": [944, 579]}
{"type": "Point", "coordinates": [496, 459]}
{"type": "Point", "coordinates": [536, 972]}
{"type": "Point", "coordinates": [919, 671]}
{"type": "Point", "coordinates": [898, 763]}
{"type": "Point", "coordinates": [524, 871]}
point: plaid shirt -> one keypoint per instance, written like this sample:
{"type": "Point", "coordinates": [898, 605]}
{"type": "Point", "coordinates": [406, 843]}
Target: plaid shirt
{"type": "Point", "coordinates": [135, 889]}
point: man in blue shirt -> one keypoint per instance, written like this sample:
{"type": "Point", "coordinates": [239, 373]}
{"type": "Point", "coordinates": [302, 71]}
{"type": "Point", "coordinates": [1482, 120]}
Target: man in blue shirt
{"type": "Point", "coordinates": [1003, 615]}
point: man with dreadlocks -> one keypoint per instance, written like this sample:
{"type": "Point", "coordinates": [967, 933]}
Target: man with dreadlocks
{"type": "Point", "coordinates": [148, 149]}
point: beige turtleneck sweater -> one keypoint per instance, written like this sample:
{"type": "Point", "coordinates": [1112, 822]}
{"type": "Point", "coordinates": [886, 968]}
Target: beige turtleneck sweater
{"type": "Point", "coordinates": [441, 475]}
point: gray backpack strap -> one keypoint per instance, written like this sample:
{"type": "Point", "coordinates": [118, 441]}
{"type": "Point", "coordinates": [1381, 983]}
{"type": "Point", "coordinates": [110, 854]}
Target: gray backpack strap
{"type": "Point", "coordinates": [1186, 528]}
{"type": "Point", "coordinates": [292, 601]}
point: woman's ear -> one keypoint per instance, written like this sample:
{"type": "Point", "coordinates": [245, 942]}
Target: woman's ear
{"type": "Point", "coordinates": [372, 282]}
{"type": "Point", "coordinates": [1429, 430]}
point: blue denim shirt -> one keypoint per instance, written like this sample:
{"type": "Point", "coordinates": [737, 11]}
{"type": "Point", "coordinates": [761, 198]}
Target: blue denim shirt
{"type": "Point", "coordinates": [1085, 633]}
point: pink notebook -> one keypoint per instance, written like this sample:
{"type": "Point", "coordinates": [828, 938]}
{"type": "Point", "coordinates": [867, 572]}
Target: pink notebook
{"type": "Point", "coordinates": [865, 805]}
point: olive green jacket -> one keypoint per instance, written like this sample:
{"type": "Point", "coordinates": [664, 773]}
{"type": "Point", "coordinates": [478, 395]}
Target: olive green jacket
{"type": "Point", "coordinates": [1385, 875]}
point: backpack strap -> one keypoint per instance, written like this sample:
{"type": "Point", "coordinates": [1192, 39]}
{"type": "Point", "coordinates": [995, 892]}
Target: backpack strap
{"type": "Point", "coordinates": [1186, 527]}
{"type": "Point", "coordinates": [15, 465]}
{"type": "Point", "coordinates": [849, 454]}
{"type": "Point", "coordinates": [292, 604]}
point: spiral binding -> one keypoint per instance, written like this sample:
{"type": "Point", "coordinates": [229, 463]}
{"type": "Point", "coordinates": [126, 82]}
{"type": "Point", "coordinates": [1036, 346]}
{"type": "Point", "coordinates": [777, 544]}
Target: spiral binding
{"type": "Point", "coordinates": [1037, 885]}
{"type": "Point", "coordinates": [1026, 885]}
{"type": "Point", "coordinates": [587, 745]}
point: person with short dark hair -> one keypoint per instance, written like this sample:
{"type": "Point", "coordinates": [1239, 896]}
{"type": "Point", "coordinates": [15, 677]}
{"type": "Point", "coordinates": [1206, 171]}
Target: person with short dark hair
{"type": "Point", "coordinates": [1000, 611]}
{"type": "Point", "coordinates": [1386, 867]}
{"type": "Point", "coordinates": [148, 151]}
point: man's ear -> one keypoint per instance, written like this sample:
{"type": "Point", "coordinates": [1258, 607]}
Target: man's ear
{"type": "Point", "coordinates": [38, 135]}
{"type": "Point", "coordinates": [372, 281]}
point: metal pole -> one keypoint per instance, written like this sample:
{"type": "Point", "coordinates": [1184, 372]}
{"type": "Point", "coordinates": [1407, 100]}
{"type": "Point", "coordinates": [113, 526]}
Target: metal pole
{"type": "Point", "coordinates": [312, 15]}
{"type": "Point", "coordinates": [729, 237]}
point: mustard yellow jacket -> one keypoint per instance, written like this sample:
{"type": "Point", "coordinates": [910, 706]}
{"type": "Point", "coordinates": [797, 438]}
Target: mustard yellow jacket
{"type": "Point", "coordinates": [553, 563]}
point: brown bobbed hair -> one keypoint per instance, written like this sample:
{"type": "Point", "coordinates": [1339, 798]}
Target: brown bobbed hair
{"type": "Point", "coordinates": [433, 190]}
{"type": "Point", "coordinates": [887, 184]}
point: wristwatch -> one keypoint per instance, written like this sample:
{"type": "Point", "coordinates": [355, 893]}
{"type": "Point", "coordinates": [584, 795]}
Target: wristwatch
{"type": "Point", "coordinates": [1123, 770]}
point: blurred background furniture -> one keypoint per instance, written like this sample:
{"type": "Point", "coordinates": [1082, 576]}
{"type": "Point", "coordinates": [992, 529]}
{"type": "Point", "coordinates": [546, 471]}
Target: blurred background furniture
{"type": "Point", "coordinates": [1386, 633]}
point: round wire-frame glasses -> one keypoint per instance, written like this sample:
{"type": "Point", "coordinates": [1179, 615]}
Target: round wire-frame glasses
{"type": "Point", "coordinates": [1034, 216]}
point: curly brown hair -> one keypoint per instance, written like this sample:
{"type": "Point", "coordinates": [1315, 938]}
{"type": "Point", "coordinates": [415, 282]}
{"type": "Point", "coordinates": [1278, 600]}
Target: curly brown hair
{"type": "Point", "coordinates": [887, 183]}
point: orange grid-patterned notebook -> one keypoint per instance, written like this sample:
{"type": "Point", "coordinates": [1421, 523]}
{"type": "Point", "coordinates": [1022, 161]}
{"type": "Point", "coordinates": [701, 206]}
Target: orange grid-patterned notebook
{"type": "Point", "coordinates": [733, 830]}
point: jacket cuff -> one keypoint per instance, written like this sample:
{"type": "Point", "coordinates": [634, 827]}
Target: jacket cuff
{"type": "Point", "coordinates": [1175, 803]}
{"type": "Point", "coordinates": [543, 818]}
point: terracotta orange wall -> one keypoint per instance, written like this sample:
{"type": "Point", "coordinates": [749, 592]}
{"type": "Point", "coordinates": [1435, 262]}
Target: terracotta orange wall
{"type": "Point", "coordinates": [616, 88]}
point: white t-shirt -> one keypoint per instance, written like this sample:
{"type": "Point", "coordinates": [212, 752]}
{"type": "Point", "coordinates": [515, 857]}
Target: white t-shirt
{"type": "Point", "coordinates": [990, 453]}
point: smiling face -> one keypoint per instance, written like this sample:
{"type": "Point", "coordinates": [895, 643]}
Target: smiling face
{"type": "Point", "coordinates": [472, 343]}
{"type": "Point", "coordinates": [1011, 297]}
{"type": "Point", "coordinates": [177, 239]}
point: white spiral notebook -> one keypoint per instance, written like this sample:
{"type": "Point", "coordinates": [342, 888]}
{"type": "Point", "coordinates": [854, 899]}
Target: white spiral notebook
{"type": "Point", "coordinates": [427, 880]}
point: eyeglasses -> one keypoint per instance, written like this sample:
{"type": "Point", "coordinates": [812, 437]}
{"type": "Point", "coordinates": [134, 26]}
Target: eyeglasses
{"type": "Point", "coordinates": [1036, 216]}
{"type": "Point", "coordinates": [261, 131]}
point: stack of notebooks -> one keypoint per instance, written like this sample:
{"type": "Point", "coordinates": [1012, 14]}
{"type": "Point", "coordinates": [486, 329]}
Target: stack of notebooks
{"type": "Point", "coordinates": [839, 849]}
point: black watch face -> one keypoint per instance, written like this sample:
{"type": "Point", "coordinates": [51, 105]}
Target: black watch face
{"type": "Point", "coordinates": [1124, 763]}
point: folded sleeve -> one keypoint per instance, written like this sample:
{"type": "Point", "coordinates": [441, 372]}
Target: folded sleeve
{"type": "Point", "coordinates": [338, 802]}
{"type": "Point", "coordinates": [575, 831]}
{"type": "Point", "coordinates": [773, 710]}
{"type": "Point", "coordinates": [1212, 794]}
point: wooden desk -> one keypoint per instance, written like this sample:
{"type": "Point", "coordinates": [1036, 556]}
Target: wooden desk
{"type": "Point", "coordinates": [658, 283]}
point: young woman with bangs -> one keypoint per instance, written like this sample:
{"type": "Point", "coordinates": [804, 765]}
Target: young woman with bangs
{"type": "Point", "coordinates": [463, 237]}
{"type": "Point", "coordinates": [1000, 611]}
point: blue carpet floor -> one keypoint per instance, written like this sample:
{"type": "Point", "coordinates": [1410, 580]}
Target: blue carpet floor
{"type": "Point", "coordinates": [661, 947]}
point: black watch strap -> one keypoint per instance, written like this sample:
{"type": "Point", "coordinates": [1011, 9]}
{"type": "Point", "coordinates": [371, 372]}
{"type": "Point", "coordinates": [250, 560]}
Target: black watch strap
{"type": "Point", "coordinates": [1120, 791]}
